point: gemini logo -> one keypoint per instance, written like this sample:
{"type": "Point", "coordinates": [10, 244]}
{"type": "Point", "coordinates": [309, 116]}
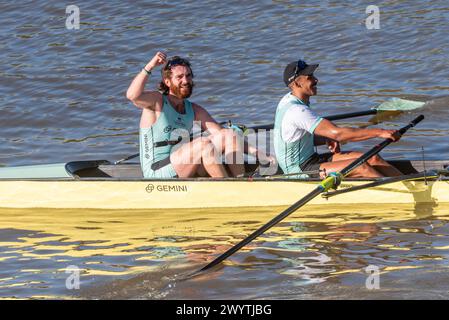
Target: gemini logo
{"type": "Point", "coordinates": [165, 188]}
{"type": "Point", "coordinates": [149, 188]}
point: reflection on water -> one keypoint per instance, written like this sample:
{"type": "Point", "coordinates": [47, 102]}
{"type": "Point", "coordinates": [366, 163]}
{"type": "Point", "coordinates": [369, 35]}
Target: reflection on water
{"type": "Point", "coordinates": [144, 254]}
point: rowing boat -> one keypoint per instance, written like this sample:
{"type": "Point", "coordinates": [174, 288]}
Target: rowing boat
{"type": "Point", "coordinates": [101, 184]}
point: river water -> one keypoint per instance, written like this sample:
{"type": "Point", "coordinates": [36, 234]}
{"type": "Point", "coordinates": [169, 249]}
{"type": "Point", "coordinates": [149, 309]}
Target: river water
{"type": "Point", "coordinates": [62, 98]}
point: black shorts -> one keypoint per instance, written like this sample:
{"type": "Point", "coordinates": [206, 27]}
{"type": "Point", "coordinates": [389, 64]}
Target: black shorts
{"type": "Point", "coordinates": [314, 161]}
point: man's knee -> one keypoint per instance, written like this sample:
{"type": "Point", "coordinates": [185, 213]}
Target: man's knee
{"type": "Point", "coordinates": [366, 167]}
{"type": "Point", "coordinates": [376, 160]}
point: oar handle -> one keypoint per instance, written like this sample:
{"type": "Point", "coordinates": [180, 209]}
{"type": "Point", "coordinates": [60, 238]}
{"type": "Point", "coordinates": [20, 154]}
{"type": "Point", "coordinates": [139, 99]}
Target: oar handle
{"type": "Point", "coordinates": [376, 149]}
{"type": "Point", "coordinates": [413, 123]}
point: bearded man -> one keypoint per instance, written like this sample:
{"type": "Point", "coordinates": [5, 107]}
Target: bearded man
{"type": "Point", "coordinates": [167, 111]}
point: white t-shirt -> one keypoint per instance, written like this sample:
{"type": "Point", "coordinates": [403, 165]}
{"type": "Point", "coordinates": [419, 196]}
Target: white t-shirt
{"type": "Point", "coordinates": [298, 120]}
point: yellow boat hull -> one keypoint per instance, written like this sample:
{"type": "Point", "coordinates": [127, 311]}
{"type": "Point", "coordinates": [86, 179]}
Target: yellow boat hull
{"type": "Point", "coordinates": [141, 194]}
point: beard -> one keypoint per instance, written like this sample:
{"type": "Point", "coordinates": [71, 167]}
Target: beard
{"type": "Point", "coordinates": [184, 91]}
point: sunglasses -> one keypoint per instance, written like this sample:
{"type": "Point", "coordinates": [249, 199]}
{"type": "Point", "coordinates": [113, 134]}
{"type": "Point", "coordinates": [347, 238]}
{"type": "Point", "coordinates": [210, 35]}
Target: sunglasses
{"type": "Point", "coordinates": [177, 62]}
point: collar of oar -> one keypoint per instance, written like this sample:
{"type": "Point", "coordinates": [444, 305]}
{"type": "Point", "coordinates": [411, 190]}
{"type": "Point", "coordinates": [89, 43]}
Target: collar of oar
{"type": "Point", "coordinates": [332, 181]}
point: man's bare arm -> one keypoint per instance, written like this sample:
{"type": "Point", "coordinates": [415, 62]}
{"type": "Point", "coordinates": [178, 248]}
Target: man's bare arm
{"type": "Point", "coordinates": [329, 130]}
{"type": "Point", "coordinates": [136, 93]}
{"type": "Point", "coordinates": [207, 122]}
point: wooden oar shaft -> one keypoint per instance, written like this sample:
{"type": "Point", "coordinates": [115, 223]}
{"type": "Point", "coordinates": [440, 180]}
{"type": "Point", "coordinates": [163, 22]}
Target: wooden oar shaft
{"type": "Point", "coordinates": [325, 185]}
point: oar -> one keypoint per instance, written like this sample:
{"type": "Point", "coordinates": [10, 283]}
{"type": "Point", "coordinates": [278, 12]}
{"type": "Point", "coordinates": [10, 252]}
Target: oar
{"type": "Point", "coordinates": [394, 105]}
{"type": "Point", "coordinates": [127, 158]}
{"type": "Point", "coordinates": [331, 182]}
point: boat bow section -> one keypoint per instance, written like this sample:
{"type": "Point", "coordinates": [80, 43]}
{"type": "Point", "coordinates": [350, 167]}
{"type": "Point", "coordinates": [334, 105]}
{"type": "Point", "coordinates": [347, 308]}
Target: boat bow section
{"type": "Point", "coordinates": [44, 171]}
{"type": "Point", "coordinates": [67, 170]}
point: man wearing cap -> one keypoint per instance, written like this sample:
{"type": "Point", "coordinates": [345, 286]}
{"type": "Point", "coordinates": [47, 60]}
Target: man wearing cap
{"type": "Point", "coordinates": [296, 125]}
{"type": "Point", "coordinates": [168, 114]}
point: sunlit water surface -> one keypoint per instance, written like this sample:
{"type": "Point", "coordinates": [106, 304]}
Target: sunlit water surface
{"type": "Point", "coordinates": [62, 98]}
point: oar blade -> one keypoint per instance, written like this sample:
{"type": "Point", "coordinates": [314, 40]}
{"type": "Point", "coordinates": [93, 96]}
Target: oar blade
{"type": "Point", "coordinates": [392, 108]}
{"type": "Point", "coordinates": [397, 104]}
